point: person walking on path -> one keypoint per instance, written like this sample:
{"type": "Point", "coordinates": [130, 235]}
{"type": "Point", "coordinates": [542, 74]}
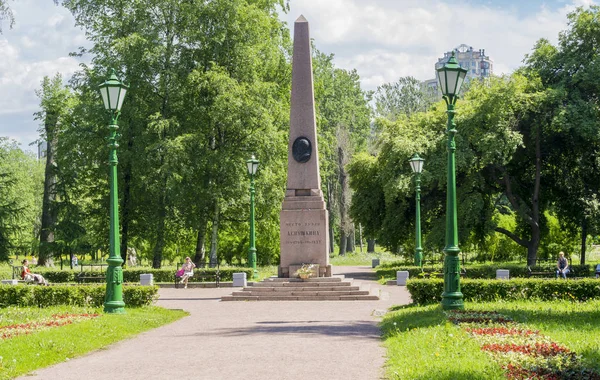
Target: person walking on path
{"type": "Point", "coordinates": [562, 266]}
{"type": "Point", "coordinates": [188, 271]}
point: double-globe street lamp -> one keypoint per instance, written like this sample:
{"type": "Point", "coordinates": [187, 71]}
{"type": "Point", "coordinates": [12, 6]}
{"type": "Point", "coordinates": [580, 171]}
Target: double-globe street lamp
{"type": "Point", "coordinates": [416, 163]}
{"type": "Point", "coordinates": [252, 165]}
{"type": "Point", "coordinates": [113, 92]}
{"type": "Point", "coordinates": [451, 77]}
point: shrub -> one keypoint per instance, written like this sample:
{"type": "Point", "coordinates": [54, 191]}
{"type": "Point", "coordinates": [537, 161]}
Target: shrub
{"type": "Point", "coordinates": [82, 295]}
{"type": "Point", "coordinates": [132, 275]}
{"type": "Point", "coordinates": [484, 271]}
{"type": "Point", "coordinates": [430, 290]}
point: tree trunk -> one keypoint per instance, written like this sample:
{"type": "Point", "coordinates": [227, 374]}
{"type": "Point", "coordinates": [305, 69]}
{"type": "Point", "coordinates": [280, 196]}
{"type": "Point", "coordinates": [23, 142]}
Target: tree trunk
{"type": "Point", "coordinates": [157, 252]}
{"type": "Point", "coordinates": [343, 242]}
{"type": "Point", "coordinates": [200, 256]}
{"type": "Point", "coordinates": [330, 211]}
{"type": "Point", "coordinates": [214, 237]}
{"type": "Point", "coordinates": [370, 245]}
{"type": "Point", "coordinates": [583, 240]}
{"type": "Point", "coordinates": [125, 204]}
{"type": "Point", "coordinates": [360, 238]}
{"type": "Point", "coordinates": [48, 208]}
{"type": "Point", "coordinates": [343, 180]}
{"type": "Point", "coordinates": [350, 243]}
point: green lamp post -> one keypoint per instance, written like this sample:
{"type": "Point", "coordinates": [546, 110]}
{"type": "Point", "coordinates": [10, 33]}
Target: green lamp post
{"type": "Point", "coordinates": [451, 77]}
{"type": "Point", "coordinates": [113, 93]}
{"type": "Point", "coordinates": [252, 164]}
{"type": "Point", "coordinates": [416, 163]}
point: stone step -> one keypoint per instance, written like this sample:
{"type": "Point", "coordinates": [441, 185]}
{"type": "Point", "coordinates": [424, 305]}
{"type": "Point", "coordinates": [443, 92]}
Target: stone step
{"type": "Point", "coordinates": [314, 289]}
{"type": "Point", "coordinates": [265, 289]}
{"type": "Point", "coordinates": [314, 279]}
{"type": "Point", "coordinates": [301, 298]}
{"type": "Point", "coordinates": [303, 293]}
{"type": "Point", "coordinates": [301, 284]}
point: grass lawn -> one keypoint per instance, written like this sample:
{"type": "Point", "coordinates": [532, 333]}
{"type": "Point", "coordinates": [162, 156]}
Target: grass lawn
{"type": "Point", "coordinates": [360, 259]}
{"type": "Point", "coordinates": [422, 344]}
{"type": "Point", "coordinates": [32, 338]}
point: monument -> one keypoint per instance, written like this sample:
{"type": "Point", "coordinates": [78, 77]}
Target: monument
{"type": "Point", "coordinates": [304, 219]}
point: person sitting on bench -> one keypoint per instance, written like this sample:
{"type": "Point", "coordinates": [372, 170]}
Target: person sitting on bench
{"type": "Point", "coordinates": [31, 277]}
{"type": "Point", "coordinates": [562, 266]}
{"type": "Point", "coordinates": [188, 271]}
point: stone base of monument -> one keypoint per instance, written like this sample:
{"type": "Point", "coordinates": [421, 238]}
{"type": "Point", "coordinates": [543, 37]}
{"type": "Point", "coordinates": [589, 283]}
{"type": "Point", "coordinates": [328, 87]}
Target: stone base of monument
{"type": "Point", "coordinates": [311, 289]}
{"type": "Point", "coordinates": [318, 271]}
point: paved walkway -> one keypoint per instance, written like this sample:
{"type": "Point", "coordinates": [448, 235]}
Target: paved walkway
{"type": "Point", "coordinates": [281, 340]}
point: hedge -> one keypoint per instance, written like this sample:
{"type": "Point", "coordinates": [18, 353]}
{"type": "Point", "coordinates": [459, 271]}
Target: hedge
{"type": "Point", "coordinates": [483, 271]}
{"type": "Point", "coordinates": [133, 274]}
{"type": "Point", "coordinates": [83, 295]}
{"type": "Point", "coordinates": [430, 290]}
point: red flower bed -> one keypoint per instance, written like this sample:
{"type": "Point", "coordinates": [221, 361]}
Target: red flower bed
{"type": "Point", "coordinates": [538, 349]}
{"type": "Point", "coordinates": [520, 373]}
{"type": "Point", "coordinates": [534, 357]}
{"type": "Point", "coordinates": [56, 320]}
{"type": "Point", "coordinates": [500, 331]}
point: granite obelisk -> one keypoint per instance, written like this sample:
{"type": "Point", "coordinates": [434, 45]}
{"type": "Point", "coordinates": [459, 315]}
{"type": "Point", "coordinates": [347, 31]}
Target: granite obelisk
{"type": "Point", "coordinates": [304, 219]}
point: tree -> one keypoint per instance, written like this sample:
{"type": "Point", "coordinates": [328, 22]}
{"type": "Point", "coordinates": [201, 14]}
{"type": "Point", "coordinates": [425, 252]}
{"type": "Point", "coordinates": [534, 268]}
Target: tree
{"type": "Point", "coordinates": [570, 69]}
{"type": "Point", "coordinates": [404, 97]}
{"type": "Point", "coordinates": [20, 194]}
{"type": "Point", "coordinates": [54, 102]}
{"type": "Point", "coordinates": [343, 121]}
{"type": "Point", "coordinates": [229, 55]}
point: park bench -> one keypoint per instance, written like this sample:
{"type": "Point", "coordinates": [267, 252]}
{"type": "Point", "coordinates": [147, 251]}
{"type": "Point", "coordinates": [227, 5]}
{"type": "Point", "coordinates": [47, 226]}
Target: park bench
{"type": "Point", "coordinates": [546, 272]}
{"type": "Point", "coordinates": [16, 276]}
{"type": "Point", "coordinates": [201, 275]}
{"type": "Point", "coordinates": [91, 275]}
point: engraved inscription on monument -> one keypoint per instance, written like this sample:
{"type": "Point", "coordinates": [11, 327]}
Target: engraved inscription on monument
{"type": "Point", "coordinates": [303, 233]}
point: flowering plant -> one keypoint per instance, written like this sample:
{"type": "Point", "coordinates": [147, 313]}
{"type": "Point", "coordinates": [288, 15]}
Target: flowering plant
{"type": "Point", "coordinates": [306, 270]}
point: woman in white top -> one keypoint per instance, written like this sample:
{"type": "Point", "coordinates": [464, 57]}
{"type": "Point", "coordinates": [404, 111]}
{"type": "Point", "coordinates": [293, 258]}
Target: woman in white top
{"type": "Point", "coordinates": [188, 271]}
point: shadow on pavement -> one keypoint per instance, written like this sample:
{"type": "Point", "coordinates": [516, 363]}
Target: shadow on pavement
{"type": "Point", "coordinates": [347, 329]}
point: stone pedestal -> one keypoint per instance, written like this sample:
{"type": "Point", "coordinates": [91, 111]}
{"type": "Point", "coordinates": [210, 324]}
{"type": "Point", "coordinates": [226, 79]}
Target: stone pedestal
{"type": "Point", "coordinates": [401, 277]}
{"type": "Point", "coordinates": [147, 279]}
{"type": "Point", "coordinates": [374, 263]}
{"type": "Point", "coordinates": [502, 274]}
{"type": "Point", "coordinates": [304, 240]}
{"type": "Point", "coordinates": [239, 280]}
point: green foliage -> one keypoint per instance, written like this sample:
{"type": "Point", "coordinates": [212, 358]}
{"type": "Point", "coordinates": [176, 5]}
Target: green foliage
{"type": "Point", "coordinates": [430, 291]}
{"type": "Point", "coordinates": [480, 271]}
{"type": "Point", "coordinates": [21, 179]}
{"type": "Point", "coordinates": [404, 97]}
{"type": "Point", "coordinates": [82, 295]}
{"type": "Point", "coordinates": [132, 275]}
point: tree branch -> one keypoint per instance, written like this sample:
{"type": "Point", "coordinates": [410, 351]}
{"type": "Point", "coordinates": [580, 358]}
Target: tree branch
{"type": "Point", "coordinates": [518, 240]}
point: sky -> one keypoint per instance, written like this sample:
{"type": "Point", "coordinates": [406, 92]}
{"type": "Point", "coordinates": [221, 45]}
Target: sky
{"type": "Point", "coordinates": [382, 39]}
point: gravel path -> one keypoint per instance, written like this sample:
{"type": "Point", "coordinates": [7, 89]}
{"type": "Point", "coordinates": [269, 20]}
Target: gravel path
{"type": "Point", "coordinates": [258, 340]}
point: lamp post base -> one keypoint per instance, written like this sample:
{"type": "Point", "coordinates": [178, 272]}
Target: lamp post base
{"type": "Point", "coordinates": [452, 298]}
{"type": "Point", "coordinates": [252, 260]}
{"type": "Point", "coordinates": [114, 307]}
{"type": "Point", "coordinates": [452, 301]}
{"type": "Point", "coordinates": [418, 259]}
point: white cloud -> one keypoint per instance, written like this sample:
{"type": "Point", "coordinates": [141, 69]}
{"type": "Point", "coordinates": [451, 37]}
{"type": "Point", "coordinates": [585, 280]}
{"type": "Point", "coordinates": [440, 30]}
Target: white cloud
{"type": "Point", "coordinates": [39, 45]}
{"type": "Point", "coordinates": [385, 39]}
{"type": "Point", "coordinates": [382, 39]}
